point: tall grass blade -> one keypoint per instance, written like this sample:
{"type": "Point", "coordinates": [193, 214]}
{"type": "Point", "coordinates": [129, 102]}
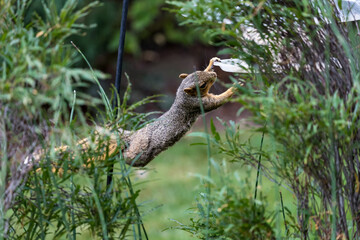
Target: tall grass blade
{"type": "Point", "coordinates": [125, 174]}
{"type": "Point", "coordinates": [58, 194]}
{"type": "Point", "coordinates": [99, 209]}
{"type": "Point", "coordinates": [72, 179]}
{"type": "Point", "coordinates": [102, 92]}
{"type": "Point", "coordinates": [4, 160]}
{"type": "Point", "coordinates": [39, 192]}
{"type": "Point", "coordinates": [73, 107]}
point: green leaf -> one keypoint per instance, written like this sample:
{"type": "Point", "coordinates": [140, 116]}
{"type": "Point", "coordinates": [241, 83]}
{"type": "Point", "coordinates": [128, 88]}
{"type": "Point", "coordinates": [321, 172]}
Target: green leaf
{"type": "Point", "coordinates": [198, 134]}
{"type": "Point", "coordinates": [213, 131]}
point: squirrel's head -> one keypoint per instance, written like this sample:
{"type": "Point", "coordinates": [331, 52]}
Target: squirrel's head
{"type": "Point", "coordinates": [204, 79]}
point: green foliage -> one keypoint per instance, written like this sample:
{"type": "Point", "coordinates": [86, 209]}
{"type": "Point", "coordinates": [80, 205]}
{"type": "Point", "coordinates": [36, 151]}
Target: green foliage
{"type": "Point", "coordinates": [36, 84]}
{"type": "Point", "coordinates": [303, 91]}
{"type": "Point", "coordinates": [233, 215]}
{"type": "Point", "coordinates": [36, 61]}
{"type": "Point", "coordinates": [66, 193]}
{"type": "Point", "coordinates": [149, 27]}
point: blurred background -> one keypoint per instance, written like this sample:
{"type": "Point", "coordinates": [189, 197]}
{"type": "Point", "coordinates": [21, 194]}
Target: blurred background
{"type": "Point", "coordinates": [157, 50]}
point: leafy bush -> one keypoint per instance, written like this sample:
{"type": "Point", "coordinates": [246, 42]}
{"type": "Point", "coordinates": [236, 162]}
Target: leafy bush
{"type": "Point", "coordinates": [233, 214]}
{"type": "Point", "coordinates": [67, 192]}
{"type": "Point", "coordinates": [303, 89]}
{"type": "Point", "coordinates": [37, 76]}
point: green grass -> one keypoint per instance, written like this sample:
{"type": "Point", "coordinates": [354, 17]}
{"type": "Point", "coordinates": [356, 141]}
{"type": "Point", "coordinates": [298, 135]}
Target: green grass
{"type": "Point", "coordinates": [171, 188]}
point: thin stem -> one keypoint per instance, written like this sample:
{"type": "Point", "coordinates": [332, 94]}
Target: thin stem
{"type": "Point", "coordinates": [259, 164]}
{"type": "Point", "coordinates": [283, 213]}
{"type": "Point", "coordinates": [208, 187]}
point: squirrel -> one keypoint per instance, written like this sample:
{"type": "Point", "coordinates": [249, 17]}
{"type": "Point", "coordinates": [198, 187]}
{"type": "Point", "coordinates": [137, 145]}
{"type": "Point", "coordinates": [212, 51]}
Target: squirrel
{"type": "Point", "coordinates": [146, 143]}
{"type": "Point", "coordinates": [177, 121]}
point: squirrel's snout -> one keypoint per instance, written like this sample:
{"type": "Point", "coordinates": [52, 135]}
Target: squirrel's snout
{"type": "Point", "coordinates": [212, 74]}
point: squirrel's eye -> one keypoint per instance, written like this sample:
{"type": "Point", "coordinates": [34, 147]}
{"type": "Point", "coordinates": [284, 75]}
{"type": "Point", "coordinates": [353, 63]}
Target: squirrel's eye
{"type": "Point", "coordinates": [203, 86]}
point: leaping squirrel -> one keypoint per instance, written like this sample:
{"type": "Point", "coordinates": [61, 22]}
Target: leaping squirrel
{"type": "Point", "coordinates": [146, 143]}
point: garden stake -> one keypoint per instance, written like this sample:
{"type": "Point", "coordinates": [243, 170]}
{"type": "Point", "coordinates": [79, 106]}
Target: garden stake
{"type": "Point", "coordinates": [119, 71]}
{"type": "Point", "coordinates": [117, 92]}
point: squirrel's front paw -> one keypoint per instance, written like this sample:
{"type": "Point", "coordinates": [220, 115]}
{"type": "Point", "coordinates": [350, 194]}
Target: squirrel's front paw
{"type": "Point", "coordinates": [240, 84]}
{"type": "Point", "coordinates": [235, 86]}
{"type": "Point", "coordinates": [211, 63]}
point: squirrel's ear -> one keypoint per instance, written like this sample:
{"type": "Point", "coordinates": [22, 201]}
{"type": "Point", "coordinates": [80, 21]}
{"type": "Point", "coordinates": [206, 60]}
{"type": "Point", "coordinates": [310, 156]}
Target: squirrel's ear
{"type": "Point", "coordinates": [183, 75]}
{"type": "Point", "coordinates": [190, 91]}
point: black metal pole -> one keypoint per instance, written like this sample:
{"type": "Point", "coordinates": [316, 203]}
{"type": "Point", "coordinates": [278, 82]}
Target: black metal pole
{"type": "Point", "coordinates": [121, 48]}
{"type": "Point", "coordinates": [119, 68]}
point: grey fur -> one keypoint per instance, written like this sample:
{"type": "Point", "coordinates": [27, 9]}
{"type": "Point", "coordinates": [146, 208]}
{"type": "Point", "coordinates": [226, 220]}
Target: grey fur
{"type": "Point", "coordinates": [159, 135]}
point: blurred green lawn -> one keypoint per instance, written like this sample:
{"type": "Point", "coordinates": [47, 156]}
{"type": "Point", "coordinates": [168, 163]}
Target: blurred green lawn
{"type": "Point", "coordinates": [170, 188]}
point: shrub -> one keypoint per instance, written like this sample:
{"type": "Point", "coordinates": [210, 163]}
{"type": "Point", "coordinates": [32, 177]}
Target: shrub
{"type": "Point", "coordinates": [65, 193]}
{"type": "Point", "coordinates": [233, 214]}
{"type": "Point", "coordinates": [302, 89]}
